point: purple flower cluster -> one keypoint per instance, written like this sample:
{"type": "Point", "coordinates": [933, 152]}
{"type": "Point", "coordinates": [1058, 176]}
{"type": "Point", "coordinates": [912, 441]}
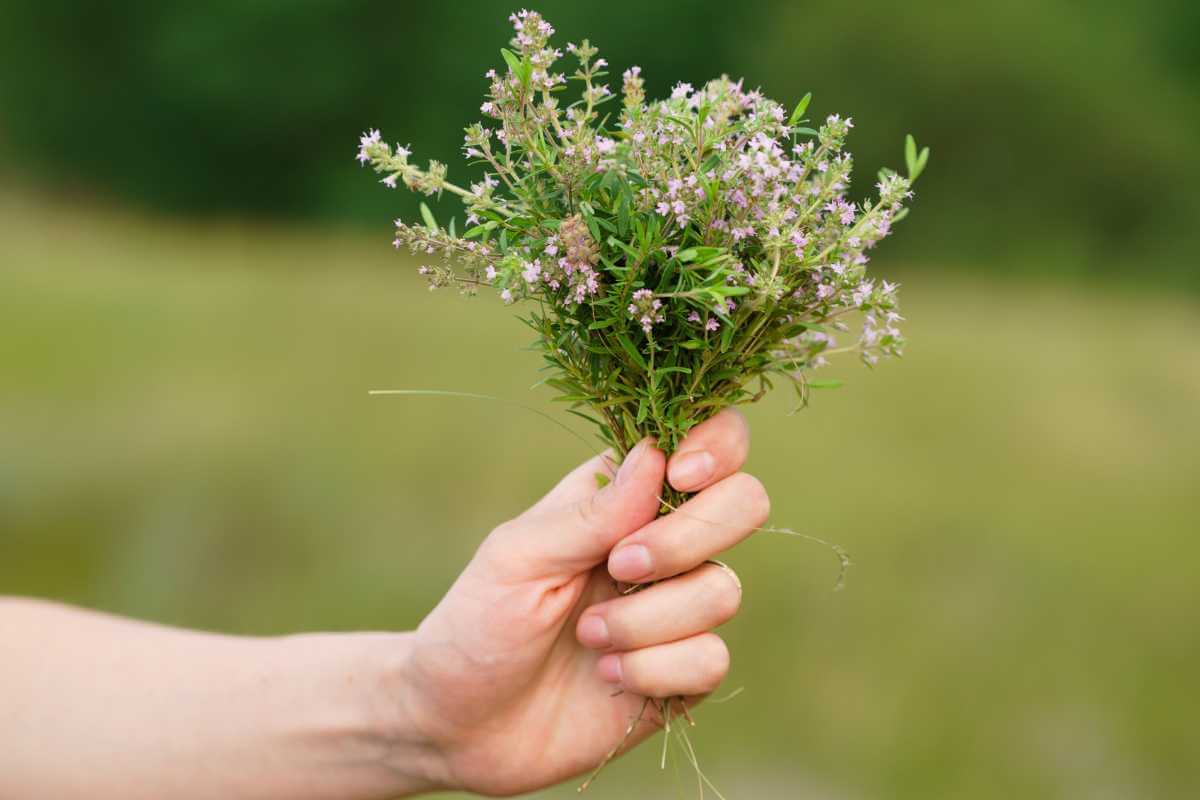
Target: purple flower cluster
{"type": "Point", "coordinates": [646, 309]}
{"type": "Point", "coordinates": [712, 215]}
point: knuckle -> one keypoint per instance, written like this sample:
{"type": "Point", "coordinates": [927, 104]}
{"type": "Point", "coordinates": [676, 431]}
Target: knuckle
{"type": "Point", "coordinates": [753, 497]}
{"type": "Point", "coordinates": [712, 661]}
{"type": "Point", "coordinates": [723, 593]}
{"type": "Point", "coordinates": [741, 433]}
{"type": "Point", "coordinates": [505, 530]}
{"type": "Point", "coordinates": [498, 541]}
{"type": "Point", "coordinates": [590, 514]}
{"type": "Point", "coordinates": [587, 510]}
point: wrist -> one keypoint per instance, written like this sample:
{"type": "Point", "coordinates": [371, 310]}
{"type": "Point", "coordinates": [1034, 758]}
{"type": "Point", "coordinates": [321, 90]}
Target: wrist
{"type": "Point", "coordinates": [393, 718]}
{"type": "Point", "coordinates": [363, 714]}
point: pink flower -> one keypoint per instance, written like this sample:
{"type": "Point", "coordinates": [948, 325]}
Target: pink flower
{"type": "Point", "coordinates": [365, 142]}
{"type": "Point", "coordinates": [862, 293]}
{"type": "Point", "coordinates": [646, 309]}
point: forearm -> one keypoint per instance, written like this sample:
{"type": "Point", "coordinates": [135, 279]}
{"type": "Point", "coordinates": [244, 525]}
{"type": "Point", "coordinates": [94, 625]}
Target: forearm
{"type": "Point", "coordinates": [94, 706]}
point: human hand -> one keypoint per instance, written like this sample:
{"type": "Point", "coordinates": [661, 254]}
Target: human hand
{"type": "Point", "coordinates": [513, 679]}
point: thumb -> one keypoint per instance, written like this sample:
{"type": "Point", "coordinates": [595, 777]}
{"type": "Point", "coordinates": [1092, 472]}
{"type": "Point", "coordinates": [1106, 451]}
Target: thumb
{"type": "Point", "coordinates": [563, 540]}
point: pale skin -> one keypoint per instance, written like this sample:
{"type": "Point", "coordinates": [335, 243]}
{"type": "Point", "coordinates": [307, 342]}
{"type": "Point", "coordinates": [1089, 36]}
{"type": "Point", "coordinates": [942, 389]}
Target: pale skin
{"type": "Point", "coordinates": [527, 673]}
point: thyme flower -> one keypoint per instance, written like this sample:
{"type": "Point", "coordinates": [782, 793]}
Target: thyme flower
{"type": "Point", "coordinates": [678, 255]}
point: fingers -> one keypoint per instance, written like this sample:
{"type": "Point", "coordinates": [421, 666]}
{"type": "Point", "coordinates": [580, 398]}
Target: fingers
{"type": "Point", "coordinates": [556, 539]}
{"type": "Point", "coordinates": [714, 449]}
{"type": "Point", "coordinates": [702, 599]}
{"type": "Point", "coordinates": [688, 667]}
{"type": "Point", "coordinates": [703, 527]}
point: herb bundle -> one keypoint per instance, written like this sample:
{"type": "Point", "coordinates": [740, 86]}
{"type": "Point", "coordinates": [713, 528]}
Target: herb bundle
{"type": "Point", "coordinates": [676, 256]}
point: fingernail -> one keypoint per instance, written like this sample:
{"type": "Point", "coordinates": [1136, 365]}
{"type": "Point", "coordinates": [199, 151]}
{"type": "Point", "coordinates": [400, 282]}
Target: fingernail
{"type": "Point", "coordinates": [728, 571]}
{"type": "Point", "coordinates": [609, 668]}
{"type": "Point", "coordinates": [630, 563]}
{"type": "Point", "coordinates": [593, 632]}
{"type": "Point", "coordinates": [629, 465]}
{"type": "Point", "coordinates": [692, 469]}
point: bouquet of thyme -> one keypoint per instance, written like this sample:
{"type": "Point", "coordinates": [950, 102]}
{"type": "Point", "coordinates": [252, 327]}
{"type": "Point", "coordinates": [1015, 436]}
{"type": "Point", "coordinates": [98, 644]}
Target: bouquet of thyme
{"type": "Point", "coordinates": [674, 256]}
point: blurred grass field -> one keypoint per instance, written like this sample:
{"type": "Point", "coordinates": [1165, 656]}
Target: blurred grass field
{"type": "Point", "coordinates": [187, 437]}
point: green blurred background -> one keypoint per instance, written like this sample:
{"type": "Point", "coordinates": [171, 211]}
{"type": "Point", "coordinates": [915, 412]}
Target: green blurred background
{"type": "Point", "coordinates": [196, 292]}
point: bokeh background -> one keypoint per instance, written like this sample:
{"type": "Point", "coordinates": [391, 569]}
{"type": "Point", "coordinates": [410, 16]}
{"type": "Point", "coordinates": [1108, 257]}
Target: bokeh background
{"type": "Point", "coordinates": [197, 291]}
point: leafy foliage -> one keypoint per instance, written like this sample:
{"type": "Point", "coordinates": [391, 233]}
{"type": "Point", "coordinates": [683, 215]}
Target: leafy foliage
{"type": "Point", "coordinates": [677, 256]}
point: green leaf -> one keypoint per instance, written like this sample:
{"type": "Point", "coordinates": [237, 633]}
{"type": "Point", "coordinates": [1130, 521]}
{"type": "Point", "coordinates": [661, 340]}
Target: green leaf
{"type": "Point", "coordinates": [729, 291]}
{"type": "Point", "coordinates": [666, 276]}
{"type": "Point", "coordinates": [634, 353]}
{"type": "Point", "coordinates": [913, 160]}
{"type": "Point", "coordinates": [922, 160]}
{"type": "Point", "coordinates": [611, 267]}
{"type": "Point", "coordinates": [486, 227]}
{"type": "Point", "coordinates": [726, 334]}
{"type": "Point", "coordinates": [629, 251]}
{"type": "Point", "coordinates": [427, 215]}
{"type": "Point", "coordinates": [511, 59]}
{"type": "Point", "coordinates": [801, 107]}
{"type": "Point", "coordinates": [623, 214]}
{"type": "Point", "coordinates": [593, 228]}
{"type": "Point", "coordinates": [831, 383]}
